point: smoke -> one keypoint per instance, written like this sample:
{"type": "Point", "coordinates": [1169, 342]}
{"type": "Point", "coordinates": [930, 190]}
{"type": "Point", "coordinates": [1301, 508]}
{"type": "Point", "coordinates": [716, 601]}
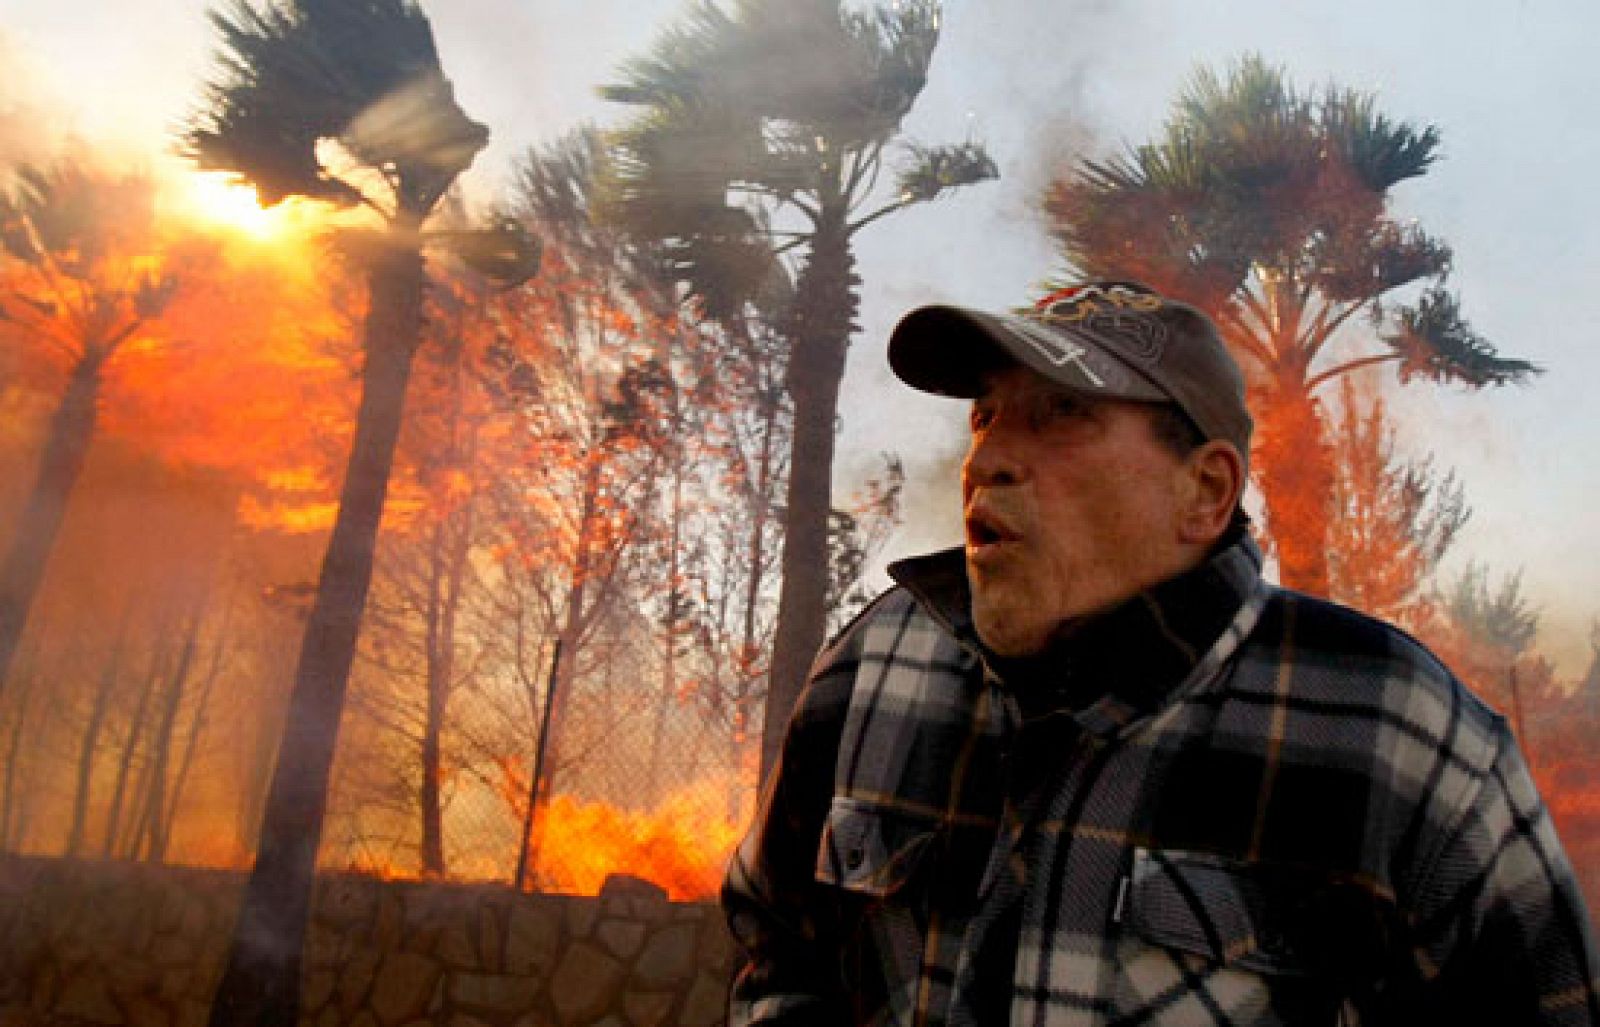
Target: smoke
{"type": "Point", "coordinates": [30, 126]}
{"type": "Point", "coordinates": [933, 506]}
{"type": "Point", "coordinates": [1040, 82]}
{"type": "Point", "coordinates": [930, 504]}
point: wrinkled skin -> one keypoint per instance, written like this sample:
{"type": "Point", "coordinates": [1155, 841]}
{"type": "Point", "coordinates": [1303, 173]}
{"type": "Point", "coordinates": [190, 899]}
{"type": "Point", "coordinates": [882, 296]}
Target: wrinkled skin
{"type": "Point", "coordinates": [1074, 505]}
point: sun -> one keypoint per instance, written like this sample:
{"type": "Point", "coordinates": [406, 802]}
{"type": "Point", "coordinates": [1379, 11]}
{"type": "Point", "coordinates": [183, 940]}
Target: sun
{"type": "Point", "coordinates": [222, 200]}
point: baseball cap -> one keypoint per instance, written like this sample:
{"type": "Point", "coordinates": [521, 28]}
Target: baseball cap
{"type": "Point", "coordinates": [1119, 340]}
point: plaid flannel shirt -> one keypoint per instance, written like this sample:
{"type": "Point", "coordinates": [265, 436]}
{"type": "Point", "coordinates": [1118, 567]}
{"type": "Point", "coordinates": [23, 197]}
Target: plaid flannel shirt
{"type": "Point", "coordinates": [1247, 806]}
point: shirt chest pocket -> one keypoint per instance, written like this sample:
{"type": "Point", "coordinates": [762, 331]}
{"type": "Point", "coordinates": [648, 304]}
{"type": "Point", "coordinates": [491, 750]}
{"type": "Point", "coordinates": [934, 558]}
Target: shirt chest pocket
{"type": "Point", "coordinates": [880, 859]}
{"type": "Point", "coordinates": [1203, 935]}
{"type": "Point", "coordinates": [1212, 907]}
{"type": "Point", "coordinates": [872, 850]}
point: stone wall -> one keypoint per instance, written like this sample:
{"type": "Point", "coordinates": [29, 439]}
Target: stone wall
{"type": "Point", "coordinates": [117, 943]}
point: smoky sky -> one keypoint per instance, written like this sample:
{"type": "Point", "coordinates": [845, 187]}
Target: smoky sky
{"type": "Point", "coordinates": [1509, 86]}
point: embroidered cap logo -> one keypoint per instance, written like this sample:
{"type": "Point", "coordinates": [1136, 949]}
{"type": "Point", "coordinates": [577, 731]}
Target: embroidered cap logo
{"type": "Point", "coordinates": [1115, 314]}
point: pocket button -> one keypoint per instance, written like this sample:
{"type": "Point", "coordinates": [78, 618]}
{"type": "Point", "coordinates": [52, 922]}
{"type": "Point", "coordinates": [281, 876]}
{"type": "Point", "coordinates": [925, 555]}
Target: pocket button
{"type": "Point", "coordinates": [1273, 942]}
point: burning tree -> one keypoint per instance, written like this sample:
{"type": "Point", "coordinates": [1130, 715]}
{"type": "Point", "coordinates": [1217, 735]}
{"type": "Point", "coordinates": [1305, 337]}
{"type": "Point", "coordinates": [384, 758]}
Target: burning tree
{"type": "Point", "coordinates": [419, 639]}
{"type": "Point", "coordinates": [345, 103]}
{"type": "Point", "coordinates": [1566, 769]}
{"type": "Point", "coordinates": [83, 275]}
{"type": "Point", "coordinates": [780, 112]}
{"type": "Point", "coordinates": [1269, 208]}
{"type": "Point", "coordinates": [594, 371]}
{"type": "Point", "coordinates": [118, 297]}
{"type": "Point", "coordinates": [1391, 520]}
{"type": "Point", "coordinates": [1486, 636]}
{"type": "Point", "coordinates": [726, 448]}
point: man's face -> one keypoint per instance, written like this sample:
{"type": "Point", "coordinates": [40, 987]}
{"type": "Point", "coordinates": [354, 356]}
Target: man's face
{"type": "Point", "coordinates": [1072, 506]}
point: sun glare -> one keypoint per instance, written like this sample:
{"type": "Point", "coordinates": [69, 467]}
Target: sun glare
{"type": "Point", "coordinates": [223, 201]}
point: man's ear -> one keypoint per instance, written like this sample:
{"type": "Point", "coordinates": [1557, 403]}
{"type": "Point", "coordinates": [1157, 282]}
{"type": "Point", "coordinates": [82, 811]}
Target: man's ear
{"type": "Point", "coordinates": [1214, 474]}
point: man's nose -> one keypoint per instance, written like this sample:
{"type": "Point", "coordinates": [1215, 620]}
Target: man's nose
{"type": "Point", "coordinates": [992, 458]}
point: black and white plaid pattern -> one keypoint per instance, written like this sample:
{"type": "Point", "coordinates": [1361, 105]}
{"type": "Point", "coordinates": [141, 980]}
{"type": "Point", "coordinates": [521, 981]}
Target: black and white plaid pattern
{"type": "Point", "coordinates": [1272, 810]}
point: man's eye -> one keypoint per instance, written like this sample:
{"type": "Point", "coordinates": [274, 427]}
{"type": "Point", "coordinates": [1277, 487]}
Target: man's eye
{"type": "Point", "coordinates": [1062, 405]}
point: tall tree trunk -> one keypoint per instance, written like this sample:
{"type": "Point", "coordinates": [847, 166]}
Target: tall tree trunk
{"type": "Point", "coordinates": [261, 982]}
{"type": "Point", "coordinates": [130, 748]}
{"type": "Point", "coordinates": [12, 809]}
{"type": "Point", "coordinates": [675, 601]}
{"type": "Point", "coordinates": [563, 672]}
{"type": "Point", "coordinates": [452, 546]}
{"type": "Point", "coordinates": [66, 444]}
{"type": "Point", "coordinates": [196, 726]}
{"type": "Point", "coordinates": [762, 503]}
{"type": "Point", "coordinates": [258, 755]}
{"type": "Point", "coordinates": [437, 661]}
{"type": "Point", "coordinates": [747, 665]}
{"type": "Point", "coordinates": [540, 712]}
{"type": "Point", "coordinates": [91, 738]}
{"type": "Point", "coordinates": [824, 313]}
{"type": "Point", "coordinates": [1296, 472]}
{"type": "Point", "coordinates": [573, 623]}
{"type": "Point", "coordinates": [155, 816]}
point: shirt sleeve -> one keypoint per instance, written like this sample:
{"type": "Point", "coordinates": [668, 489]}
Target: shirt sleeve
{"type": "Point", "coordinates": [787, 922]}
{"type": "Point", "coordinates": [1503, 933]}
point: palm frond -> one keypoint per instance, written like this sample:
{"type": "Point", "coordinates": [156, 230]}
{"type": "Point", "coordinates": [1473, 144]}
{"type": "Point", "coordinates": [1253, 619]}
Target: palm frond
{"type": "Point", "coordinates": [73, 214]}
{"type": "Point", "coordinates": [1374, 260]}
{"type": "Point", "coordinates": [365, 73]}
{"type": "Point", "coordinates": [1381, 152]}
{"type": "Point", "coordinates": [768, 104]}
{"type": "Point", "coordinates": [1436, 344]}
{"type": "Point", "coordinates": [933, 171]}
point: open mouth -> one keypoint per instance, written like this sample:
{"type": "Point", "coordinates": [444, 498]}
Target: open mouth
{"type": "Point", "coordinates": [985, 531]}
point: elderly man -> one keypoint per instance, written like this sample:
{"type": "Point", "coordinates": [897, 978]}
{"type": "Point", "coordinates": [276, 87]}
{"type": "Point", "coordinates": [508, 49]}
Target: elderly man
{"type": "Point", "coordinates": [1094, 769]}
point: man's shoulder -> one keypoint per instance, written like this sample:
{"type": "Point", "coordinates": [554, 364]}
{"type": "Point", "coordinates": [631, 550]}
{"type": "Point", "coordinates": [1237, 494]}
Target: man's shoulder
{"type": "Point", "coordinates": [1371, 749]}
{"type": "Point", "coordinates": [1345, 662]}
{"type": "Point", "coordinates": [1322, 626]}
{"type": "Point", "coordinates": [1319, 632]}
{"type": "Point", "coordinates": [899, 644]}
{"type": "Point", "coordinates": [892, 605]}
{"type": "Point", "coordinates": [896, 626]}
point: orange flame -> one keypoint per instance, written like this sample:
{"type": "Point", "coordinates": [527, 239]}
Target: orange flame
{"type": "Point", "coordinates": [683, 846]}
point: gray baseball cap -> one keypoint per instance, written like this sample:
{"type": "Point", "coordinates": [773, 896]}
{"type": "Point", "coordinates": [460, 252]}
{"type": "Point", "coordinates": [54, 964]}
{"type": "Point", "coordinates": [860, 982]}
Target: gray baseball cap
{"type": "Point", "coordinates": [1119, 340]}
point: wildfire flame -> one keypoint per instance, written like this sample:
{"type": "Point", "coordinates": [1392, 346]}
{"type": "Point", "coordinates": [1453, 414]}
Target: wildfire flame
{"type": "Point", "coordinates": [683, 845]}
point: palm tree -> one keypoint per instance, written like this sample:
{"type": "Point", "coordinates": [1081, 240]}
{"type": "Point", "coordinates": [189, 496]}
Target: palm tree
{"type": "Point", "coordinates": [342, 101]}
{"type": "Point", "coordinates": [77, 286]}
{"type": "Point", "coordinates": [783, 113]}
{"type": "Point", "coordinates": [1269, 209]}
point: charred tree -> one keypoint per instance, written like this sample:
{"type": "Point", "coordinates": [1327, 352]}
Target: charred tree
{"type": "Point", "coordinates": [673, 620]}
{"type": "Point", "coordinates": [261, 982]}
{"type": "Point", "coordinates": [66, 444]}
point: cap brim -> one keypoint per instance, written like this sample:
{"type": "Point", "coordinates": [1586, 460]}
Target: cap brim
{"type": "Point", "coordinates": [947, 350]}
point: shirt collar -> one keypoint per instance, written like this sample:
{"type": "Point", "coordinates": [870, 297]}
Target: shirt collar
{"type": "Point", "coordinates": [1113, 667]}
